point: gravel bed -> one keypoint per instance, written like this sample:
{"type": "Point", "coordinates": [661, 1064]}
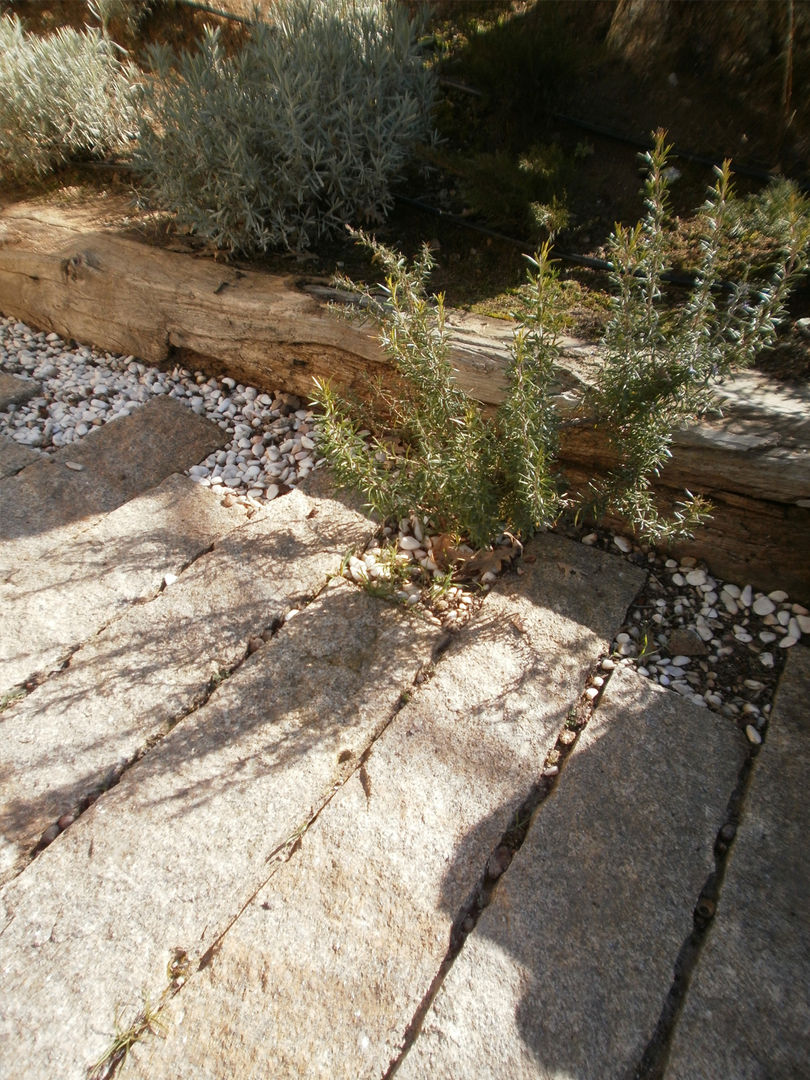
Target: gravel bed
{"type": "Point", "coordinates": [719, 644]}
{"type": "Point", "coordinates": [272, 447]}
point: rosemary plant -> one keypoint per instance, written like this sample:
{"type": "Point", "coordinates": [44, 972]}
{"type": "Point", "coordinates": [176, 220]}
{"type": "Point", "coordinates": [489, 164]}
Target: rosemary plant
{"type": "Point", "coordinates": [64, 96]}
{"type": "Point", "coordinates": [661, 366]}
{"type": "Point", "coordinates": [436, 453]}
{"type": "Point", "coordinates": [298, 133]}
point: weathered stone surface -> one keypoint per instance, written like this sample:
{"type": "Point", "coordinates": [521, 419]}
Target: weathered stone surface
{"type": "Point", "coordinates": [168, 858]}
{"type": "Point", "coordinates": [130, 682]}
{"type": "Point", "coordinates": [566, 971]}
{"type": "Point", "coordinates": [747, 1012]}
{"type": "Point", "coordinates": [120, 460]}
{"type": "Point", "coordinates": [14, 457]}
{"type": "Point", "coordinates": [55, 602]}
{"type": "Point", "coordinates": [14, 391]}
{"type": "Point", "coordinates": [321, 974]}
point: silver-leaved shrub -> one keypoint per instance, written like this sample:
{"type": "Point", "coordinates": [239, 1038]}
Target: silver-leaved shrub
{"type": "Point", "coordinates": [302, 130]}
{"type": "Point", "coordinates": [64, 96]}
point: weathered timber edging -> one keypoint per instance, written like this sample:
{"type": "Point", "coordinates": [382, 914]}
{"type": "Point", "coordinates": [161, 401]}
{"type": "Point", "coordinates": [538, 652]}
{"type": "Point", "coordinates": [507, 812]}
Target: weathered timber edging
{"type": "Point", "coordinates": [65, 270]}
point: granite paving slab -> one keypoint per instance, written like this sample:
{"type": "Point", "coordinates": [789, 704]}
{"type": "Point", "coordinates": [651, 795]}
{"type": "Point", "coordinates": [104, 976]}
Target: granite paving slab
{"type": "Point", "coordinates": [14, 391]}
{"type": "Point", "coordinates": [14, 456]}
{"type": "Point", "coordinates": [116, 462]}
{"type": "Point", "coordinates": [747, 1012]}
{"type": "Point", "coordinates": [567, 970]}
{"type": "Point", "coordinates": [321, 974]}
{"type": "Point", "coordinates": [161, 865]}
{"type": "Point", "coordinates": [129, 683]}
{"type": "Point", "coordinates": [56, 602]}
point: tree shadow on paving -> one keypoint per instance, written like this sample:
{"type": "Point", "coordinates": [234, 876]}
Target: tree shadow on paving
{"type": "Point", "coordinates": [53, 605]}
{"type": "Point", "coordinates": [576, 953]}
{"type": "Point", "coordinates": [132, 681]}
{"type": "Point", "coordinates": [324, 686]}
{"type": "Point", "coordinates": [313, 685]}
{"type": "Point", "coordinates": [84, 557]}
{"type": "Point", "coordinates": [317, 685]}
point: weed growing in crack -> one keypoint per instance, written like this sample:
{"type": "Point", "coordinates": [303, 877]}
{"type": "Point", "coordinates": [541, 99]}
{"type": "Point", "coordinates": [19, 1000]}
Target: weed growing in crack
{"type": "Point", "coordinates": [11, 697]}
{"type": "Point", "coordinates": [440, 585]}
{"type": "Point", "coordinates": [146, 1022]}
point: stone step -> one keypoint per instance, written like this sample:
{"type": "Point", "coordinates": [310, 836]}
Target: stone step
{"type": "Point", "coordinates": [128, 684]}
{"type": "Point", "coordinates": [323, 970]}
{"type": "Point", "coordinates": [118, 461]}
{"type": "Point", "coordinates": [160, 866]}
{"type": "Point", "coordinates": [747, 1012]}
{"type": "Point", "coordinates": [57, 601]}
{"type": "Point", "coordinates": [567, 970]}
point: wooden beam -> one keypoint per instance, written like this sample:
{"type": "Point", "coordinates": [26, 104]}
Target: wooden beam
{"type": "Point", "coordinates": [64, 270]}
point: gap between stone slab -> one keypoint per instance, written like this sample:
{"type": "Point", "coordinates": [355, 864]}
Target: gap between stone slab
{"type": "Point", "coordinates": [114, 774]}
{"type": "Point", "coordinates": [500, 858]}
{"type": "Point", "coordinates": [284, 851]}
{"type": "Point", "coordinates": [653, 1062]}
{"type": "Point", "coordinates": [179, 968]}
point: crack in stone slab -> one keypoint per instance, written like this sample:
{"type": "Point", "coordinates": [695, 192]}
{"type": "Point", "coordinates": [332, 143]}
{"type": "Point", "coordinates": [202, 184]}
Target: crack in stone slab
{"type": "Point", "coordinates": [653, 1062]}
{"type": "Point", "coordinates": [501, 856]}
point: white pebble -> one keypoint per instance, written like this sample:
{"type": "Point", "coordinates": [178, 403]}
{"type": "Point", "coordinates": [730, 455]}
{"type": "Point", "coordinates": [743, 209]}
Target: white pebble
{"type": "Point", "coordinates": [623, 544]}
{"type": "Point", "coordinates": [764, 605]}
{"type": "Point", "coordinates": [358, 570]}
{"type": "Point", "coordinates": [753, 735]}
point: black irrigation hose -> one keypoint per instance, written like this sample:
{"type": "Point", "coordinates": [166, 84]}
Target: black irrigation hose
{"type": "Point", "coordinates": [672, 277]}
{"type": "Point", "coordinates": [752, 171]}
